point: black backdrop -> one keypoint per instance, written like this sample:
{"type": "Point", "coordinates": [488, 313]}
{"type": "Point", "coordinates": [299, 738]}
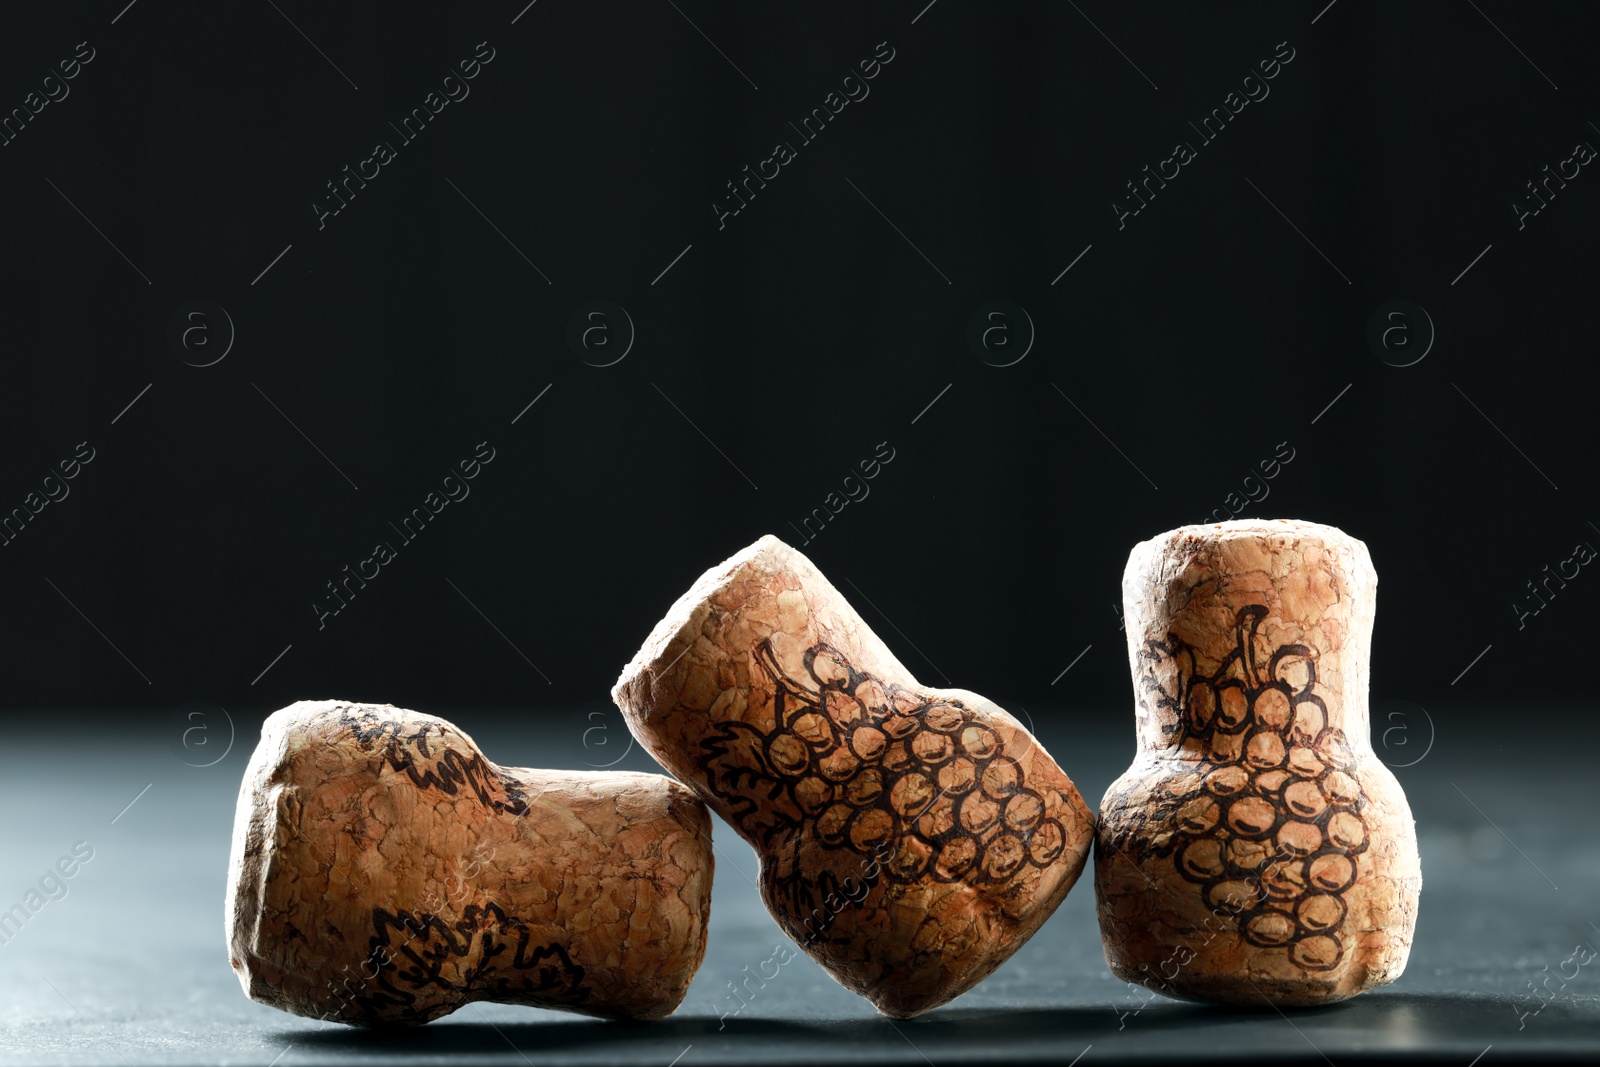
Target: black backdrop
{"type": "Point", "coordinates": [776, 349]}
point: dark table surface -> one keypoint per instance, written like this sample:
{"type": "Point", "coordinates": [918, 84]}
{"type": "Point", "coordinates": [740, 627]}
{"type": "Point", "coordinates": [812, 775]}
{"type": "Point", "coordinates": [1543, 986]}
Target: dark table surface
{"type": "Point", "coordinates": [130, 966]}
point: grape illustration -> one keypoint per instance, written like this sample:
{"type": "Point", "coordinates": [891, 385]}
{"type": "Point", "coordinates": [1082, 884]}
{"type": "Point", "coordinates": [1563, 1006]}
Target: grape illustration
{"type": "Point", "coordinates": [1269, 822]}
{"type": "Point", "coordinates": [877, 769]}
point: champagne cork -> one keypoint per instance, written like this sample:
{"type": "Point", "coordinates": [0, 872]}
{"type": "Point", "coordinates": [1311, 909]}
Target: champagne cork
{"type": "Point", "coordinates": [911, 839]}
{"type": "Point", "coordinates": [1256, 850]}
{"type": "Point", "coordinates": [384, 872]}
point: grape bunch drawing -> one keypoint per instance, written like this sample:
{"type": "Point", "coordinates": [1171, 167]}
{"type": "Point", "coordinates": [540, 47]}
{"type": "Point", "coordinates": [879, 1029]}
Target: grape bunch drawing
{"type": "Point", "coordinates": [1268, 822]}
{"type": "Point", "coordinates": [876, 768]}
{"type": "Point", "coordinates": [483, 952]}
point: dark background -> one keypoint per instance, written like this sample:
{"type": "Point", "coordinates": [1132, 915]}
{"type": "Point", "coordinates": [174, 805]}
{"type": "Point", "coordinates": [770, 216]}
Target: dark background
{"type": "Point", "coordinates": [159, 611]}
{"type": "Point", "coordinates": [796, 338]}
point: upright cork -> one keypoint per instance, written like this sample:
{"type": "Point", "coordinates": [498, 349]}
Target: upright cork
{"type": "Point", "coordinates": [1256, 850]}
{"type": "Point", "coordinates": [383, 871]}
{"type": "Point", "coordinates": [911, 839]}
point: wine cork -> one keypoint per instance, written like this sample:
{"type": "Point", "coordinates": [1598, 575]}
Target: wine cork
{"type": "Point", "coordinates": [1256, 850]}
{"type": "Point", "coordinates": [911, 839]}
{"type": "Point", "coordinates": [384, 872]}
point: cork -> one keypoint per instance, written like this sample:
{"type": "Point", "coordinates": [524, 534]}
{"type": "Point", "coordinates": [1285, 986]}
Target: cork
{"type": "Point", "coordinates": [1256, 851]}
{"type": "Point", "coordinates": [910, 838]}
{"type": "Point", "coordinates": [384, 872]}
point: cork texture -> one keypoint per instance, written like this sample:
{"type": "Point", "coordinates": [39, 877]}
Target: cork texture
{"type": "Point", "coordinates": [384, 872]}
{"type": "Point", "coordinates": [1256, 850]}
{"type": "Point", "coordinates": [911, 839]}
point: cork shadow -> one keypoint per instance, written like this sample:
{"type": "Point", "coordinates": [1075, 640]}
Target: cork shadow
{"type": "Point", "coordinates": [827, 1038]}
{"type": "Point", "coordinates": [1385, 1022]}
{"type": "Point", "coordinates": [481, 1037]}
{"type": "Point", "coordinates": [1376, 1020]}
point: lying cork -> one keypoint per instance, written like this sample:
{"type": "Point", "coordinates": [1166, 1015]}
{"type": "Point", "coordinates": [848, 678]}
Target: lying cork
{"type": "Point", "coordinates": [911, 839]}
{"type": "Point", "coordinates": [383, 871]}
{"type": "Point", "coordinates": [1256, 850]}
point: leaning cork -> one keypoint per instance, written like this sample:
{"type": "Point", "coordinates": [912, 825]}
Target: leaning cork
{"type": "Point", "coordinates": [911, 839]}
